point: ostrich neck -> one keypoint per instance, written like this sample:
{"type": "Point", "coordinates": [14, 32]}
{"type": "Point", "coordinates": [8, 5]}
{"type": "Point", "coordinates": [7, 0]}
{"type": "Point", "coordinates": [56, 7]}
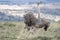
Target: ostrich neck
{"type": "Point", "coordinates": [38, 13]}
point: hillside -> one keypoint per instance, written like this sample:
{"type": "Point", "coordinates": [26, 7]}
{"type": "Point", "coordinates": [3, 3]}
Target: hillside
{"type": "Point", "coordinates": [15, 12]}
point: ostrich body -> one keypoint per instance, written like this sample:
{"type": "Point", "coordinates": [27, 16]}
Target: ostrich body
{"type": "Point", "coordinates": [31, 21]}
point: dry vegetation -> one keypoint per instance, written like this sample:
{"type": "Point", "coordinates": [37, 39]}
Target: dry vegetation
{"type": "Point", "coordinates": [16, 31]}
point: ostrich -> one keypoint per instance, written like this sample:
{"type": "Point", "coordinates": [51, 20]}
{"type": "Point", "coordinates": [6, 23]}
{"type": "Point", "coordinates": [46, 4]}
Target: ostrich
{"type": "Point", "coordinates": [31, 21]}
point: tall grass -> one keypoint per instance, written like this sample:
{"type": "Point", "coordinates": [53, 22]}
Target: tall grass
{"type": "Point", "coordinates": [16, 31]}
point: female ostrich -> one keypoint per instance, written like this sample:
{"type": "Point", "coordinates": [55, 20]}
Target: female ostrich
{"type": "Point", "coordinates": [31, 21]}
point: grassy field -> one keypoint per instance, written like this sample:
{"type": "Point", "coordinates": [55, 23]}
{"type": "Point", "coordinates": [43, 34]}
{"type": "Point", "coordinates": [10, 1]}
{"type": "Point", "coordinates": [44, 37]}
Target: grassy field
{"type": "Point", "coordinates": [16, 31]}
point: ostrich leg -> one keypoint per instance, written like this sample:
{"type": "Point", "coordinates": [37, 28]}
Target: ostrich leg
{"type": "Point", "coordinates": [45, 28]}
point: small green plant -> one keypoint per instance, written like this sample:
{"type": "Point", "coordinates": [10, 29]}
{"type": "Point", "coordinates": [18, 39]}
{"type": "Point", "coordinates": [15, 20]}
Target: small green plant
{"type": "Point", "coordinates": [41, 38]}
{"type": "Point", "coordinates": [12, 25]}
{"type": "Point", "coordinates": [9, 24]}
{"type": "Point", "coordinates": [1, 26]}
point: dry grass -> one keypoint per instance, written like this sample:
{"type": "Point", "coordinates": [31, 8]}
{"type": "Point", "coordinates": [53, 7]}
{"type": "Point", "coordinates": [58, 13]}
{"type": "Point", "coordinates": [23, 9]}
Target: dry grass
{"type": "Point", "coordinates": [16, 31]}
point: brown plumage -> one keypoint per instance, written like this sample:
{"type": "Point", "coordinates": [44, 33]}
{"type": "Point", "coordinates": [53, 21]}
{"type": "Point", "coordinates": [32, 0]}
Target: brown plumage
{"type": "Point", "coordinates": [32, 21]}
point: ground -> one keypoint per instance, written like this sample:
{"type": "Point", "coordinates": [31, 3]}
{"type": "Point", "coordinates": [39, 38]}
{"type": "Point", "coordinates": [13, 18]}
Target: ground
{"type": "Point", "coordinates": [15, 31]}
